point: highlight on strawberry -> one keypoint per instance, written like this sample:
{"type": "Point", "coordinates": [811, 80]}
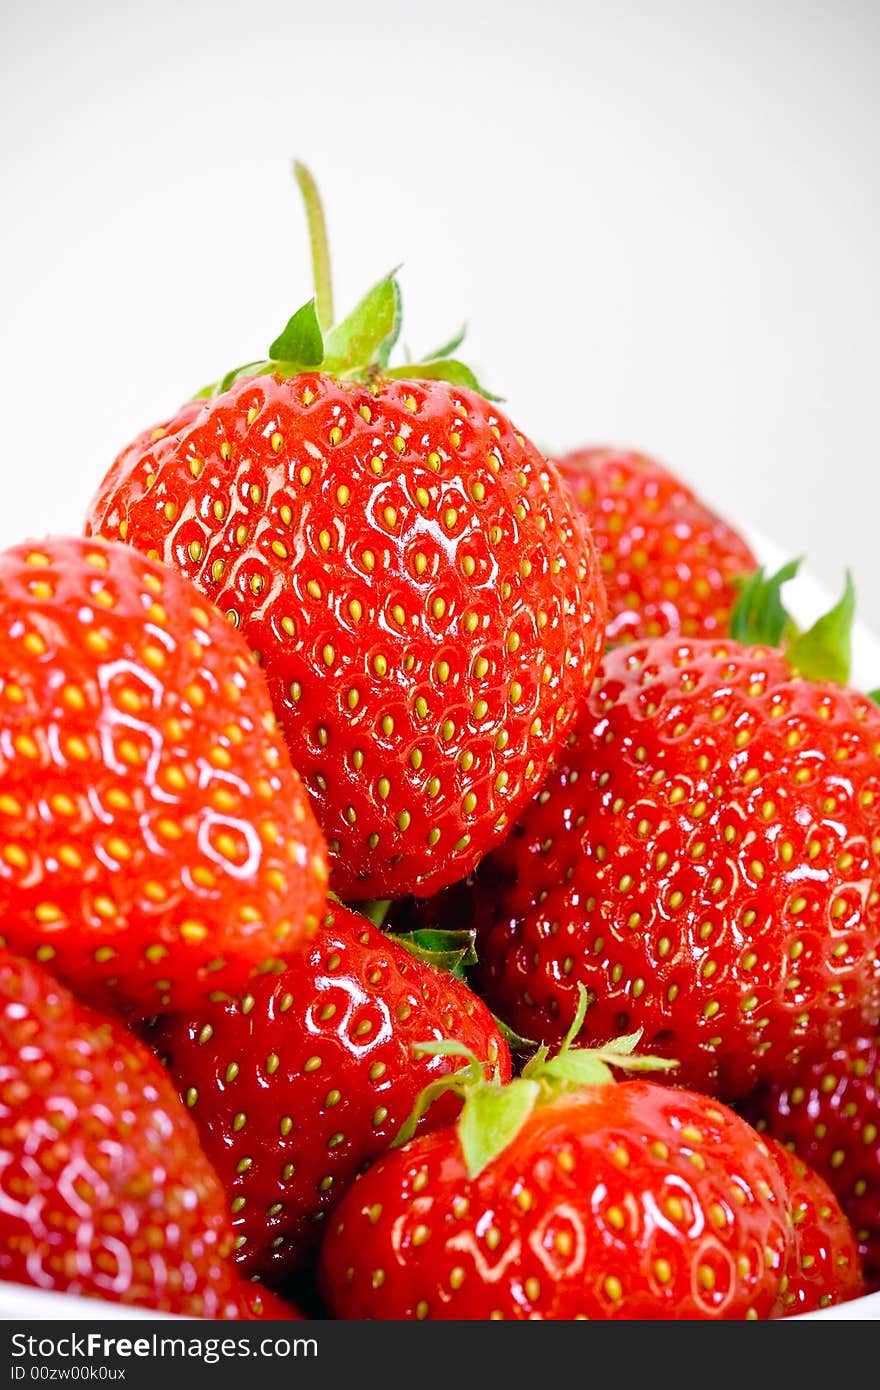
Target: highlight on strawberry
{"type": "Point", "coordinates": [157, 846]}
{"type": "Point", "coordinates": [417, 581]}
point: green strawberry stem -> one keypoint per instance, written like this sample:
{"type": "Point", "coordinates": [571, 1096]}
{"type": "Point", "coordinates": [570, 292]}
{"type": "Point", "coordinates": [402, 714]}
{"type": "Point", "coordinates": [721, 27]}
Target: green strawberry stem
{"type": "Point", "coordinates": [359, 347]}
{"type": "Point", "coordinates": [319, 243]}
{"type": "Point", "coordinates": [822, 653]}
{"type": "Point", "coordinates": [493, 1114]}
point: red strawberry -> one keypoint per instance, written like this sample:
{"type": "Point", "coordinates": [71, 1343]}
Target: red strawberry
{"type": "Point", "coordinates": [669, 564]}
{"type": "Point", "coordinates": [421, 591]}
{"type": "Point", "coordinates": [705, 859]}
{"type": "Point", "coordinates": [312, 1075]}
{"type": "Point", "coordinates": [558, 1199]}
{"type": "Point", "coordinates": [155, 843]}
{"type": "Point", "coordinates": [829, 1113]}
{"type": "Point", "coordinates": [823, 1265]}
{"type": "Point", "coordinates": [104, 1191]}
{"type": "Point", "coordinates": [259, 1304]}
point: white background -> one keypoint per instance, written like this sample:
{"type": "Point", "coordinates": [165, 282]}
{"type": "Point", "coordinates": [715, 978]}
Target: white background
{"type": "Point", "coordinates": [661, 221]}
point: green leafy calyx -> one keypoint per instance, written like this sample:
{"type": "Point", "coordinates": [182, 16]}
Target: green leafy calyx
{"type": "Point", "coordinates": [760, 617]}
{"type": "Point", "coordinates": [822, 653]}
{"type": "Point", "coordinates": [452, 951]}
{"type": "Point", "coordinates": [493, 1114]}
{"type": "Point", "coordinates": [359, 347]}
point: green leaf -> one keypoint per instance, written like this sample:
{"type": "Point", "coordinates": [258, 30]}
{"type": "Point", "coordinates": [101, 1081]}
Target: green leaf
{"type": "Point", "coordinates": [217, 388]}
{"type": "Point", "coordinates": [515, 1041]}
{"type": "Point", "coordinates": [491, 1119]}
{"type": "Point", "coordinates": [457, 1082]}
{"type": "Point", "coordinates": [452, 951]}
{"type": "Point", "coordinates": [580, 1067]}
{"type": "Point", "coordinates": [448, 348]}
{"type": "Point", "coordinates": [375, 910]}
{"type": "Point", "coordinates": [585, 999]}
{"type": "Point", "coordinates": [433, 939]}
{"type": "Point", "coordinates": [445, 369]}
{"type": "Point", "coordinates": [875, 696]}
{"type": "Point", "coordinates": [759, 616]}
{"type": "Point", "coordinates": [635, 1061]}
{"type": "Point", "coordinates": [625, 1044]}
{"type": "Point", "coordinates": [388, 344]}
{"type": "Point", "coordinates": [823, 653]}
{"type": "Point", "coordinates": [369, 332]}
{"type": "Point", "coordinates": [300, 343]}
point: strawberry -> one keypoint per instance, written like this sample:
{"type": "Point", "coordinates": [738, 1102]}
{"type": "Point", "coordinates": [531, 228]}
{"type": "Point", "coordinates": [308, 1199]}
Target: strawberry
{"type": "Point", "coordinates": [670, 565]}
{"type": "Point", "coordinates": [311, 1075]}
{"type": "Point", "coordinates": [104, 1191]}
{"type": "Point", "coordinates": [420, 589]}
{"type": "Point", "coordinates": [829, 1114]}
{"type": "Point", "coordinates": [705, 859]}
{"type": "Point", "coordinates": [259, 1304]}
{"type": "Point", "coordinates": [823, 1266]}
{"type": "Point", "coordinates": [566, 1195]}
{"type": "Point", "coordinates": [155, 843]}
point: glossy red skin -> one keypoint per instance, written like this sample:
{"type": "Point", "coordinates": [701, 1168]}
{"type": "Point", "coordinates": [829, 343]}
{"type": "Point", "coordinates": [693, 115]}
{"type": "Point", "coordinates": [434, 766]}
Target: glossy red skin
{"type": "Point", "coordinates": [577, 1201]}
{"type": "Point", "coordinates": [585, 889]}
{"type": "Point", "coordinates": [668, 562]}
{"type": "Point", "coordinates": [256, 1303]}
{"type": "Point", "coordinates": [421, 703]}
{"type": "Point", "coordinates": [345, 1111]}
{"type": "Point", "coordinates": [137, 733]}
{"type": "Point", "coordinates": [104, 1190]}
{"type": "Point", "coordinates": [823, 1266]}
{"type": "Point", "coordinates": [829, 1113]}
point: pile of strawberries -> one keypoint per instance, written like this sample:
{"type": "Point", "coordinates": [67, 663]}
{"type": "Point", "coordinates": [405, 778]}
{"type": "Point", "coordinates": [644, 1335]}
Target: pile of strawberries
{"type": "Point", "coordinates": [436, 882]}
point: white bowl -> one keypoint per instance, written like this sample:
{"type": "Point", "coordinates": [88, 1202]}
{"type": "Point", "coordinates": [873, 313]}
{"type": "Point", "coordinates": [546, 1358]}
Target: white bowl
{"type": "Point", "coordinates": [806, 599]}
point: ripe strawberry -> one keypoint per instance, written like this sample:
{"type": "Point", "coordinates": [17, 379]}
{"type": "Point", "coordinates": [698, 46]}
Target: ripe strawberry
{"type": "Point", "coordinates": [419, 587]}
{"type": "Point", "coordinates": [823, 1266]}
{"type": "Point", "coordinates": [669, 564]}
{"type": "Point", "coordinates": [259, 1304]}
{"type": "Point", "coordinates": [155, 843]}
{"type": "Point", "coordinates": [104, 1191]}
{"type": "Point", "coordinates": [829, 1113]}
{"type": "Point", "coordinates": [566, 1195]}
{"type": "Point", "coordinates": [312, 1075]}
{"type": "Point", "coordinates": [705, 859]}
